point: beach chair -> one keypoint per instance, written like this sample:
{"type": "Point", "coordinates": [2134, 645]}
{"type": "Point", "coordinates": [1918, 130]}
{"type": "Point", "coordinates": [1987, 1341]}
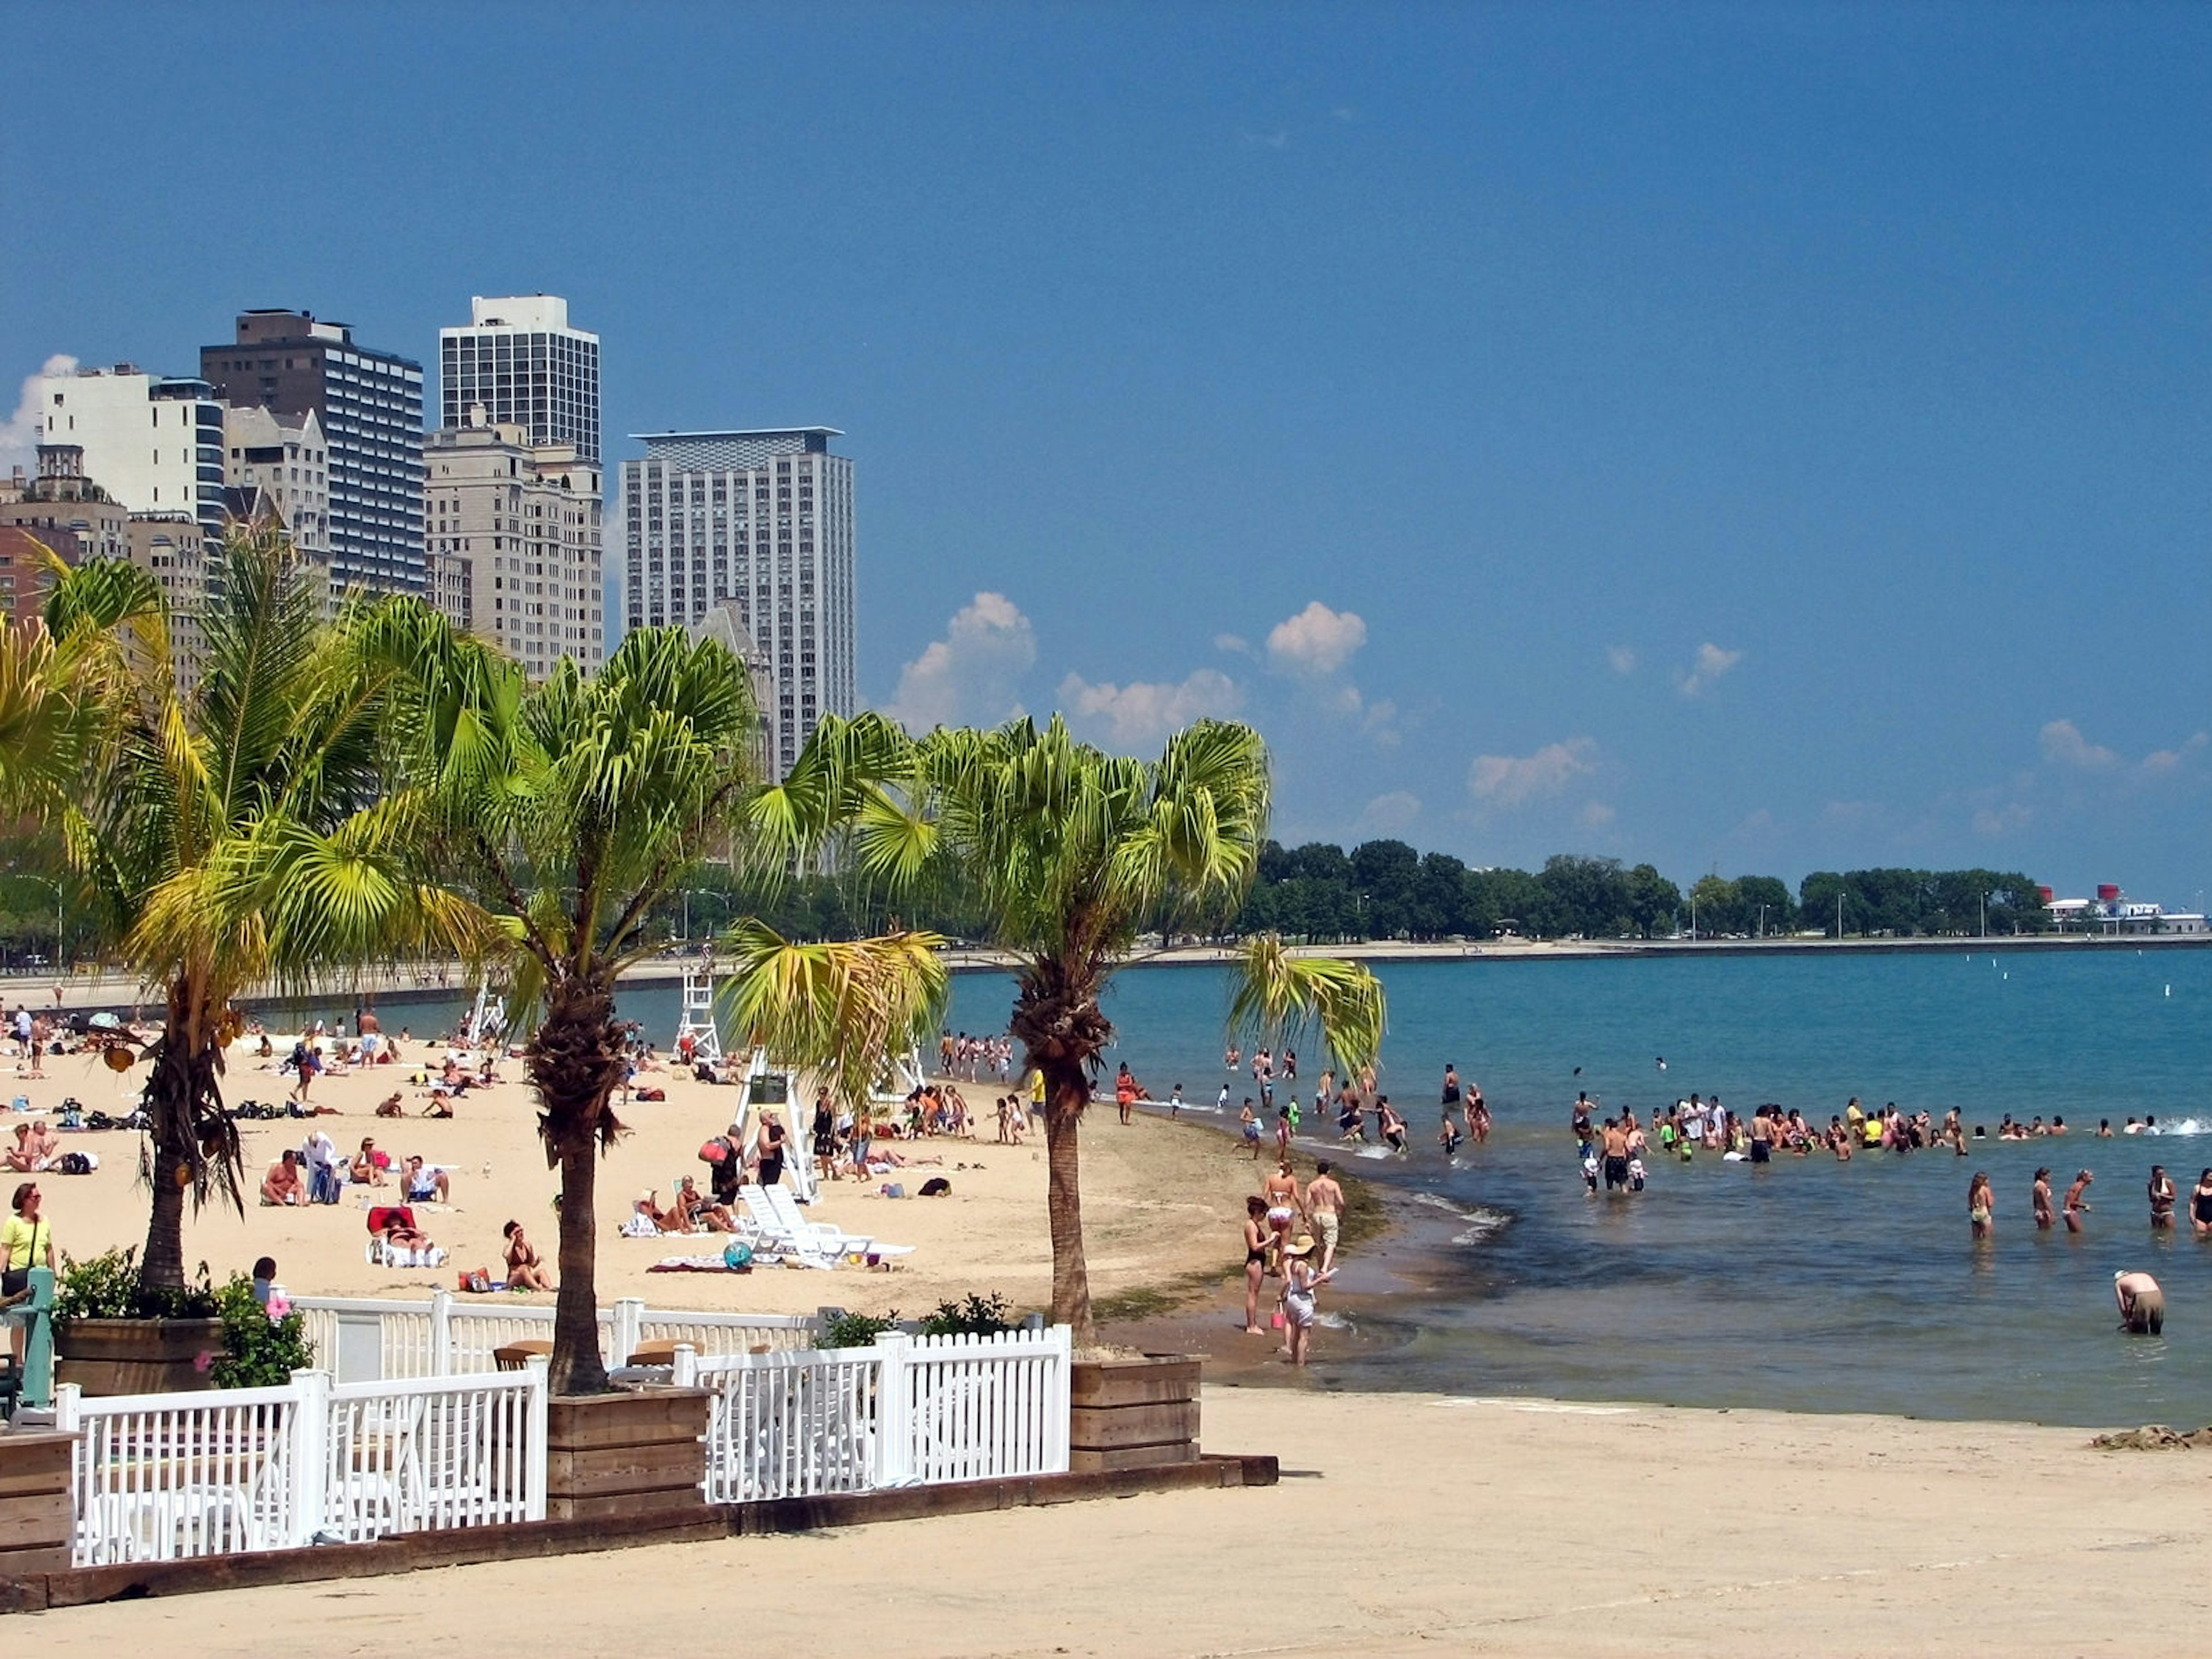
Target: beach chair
{"type": "Point", "coordinates": [382, 1253]}
{"type": "Point", "coordinates": [821, 1235]}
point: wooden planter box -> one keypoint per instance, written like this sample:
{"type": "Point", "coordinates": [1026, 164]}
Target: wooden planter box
{"type": "Point", "coordinates": [136, 1356]}
{"type": "Point", "coordinates": [36, 1513]}
{"type": "Point", "coordinates": [609, 1456]}
{"type": "Point", "coordinates": [1133, 1413]}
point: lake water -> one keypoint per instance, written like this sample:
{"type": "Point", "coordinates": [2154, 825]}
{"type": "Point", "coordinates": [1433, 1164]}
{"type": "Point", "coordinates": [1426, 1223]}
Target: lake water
{"type": "Point", "coordinates": [1802, 1285]}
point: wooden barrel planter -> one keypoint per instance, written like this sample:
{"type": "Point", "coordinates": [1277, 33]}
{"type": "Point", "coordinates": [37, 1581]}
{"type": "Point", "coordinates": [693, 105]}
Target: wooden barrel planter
{"type": "Point", "coordinates": [614, 1455]}
{"type": "Point", "coordinates": [36, 1516]}
{"type": "Point", "coordinates": [1133, 1413]}
{"type": "Point", "coordinates": [108, 1356]}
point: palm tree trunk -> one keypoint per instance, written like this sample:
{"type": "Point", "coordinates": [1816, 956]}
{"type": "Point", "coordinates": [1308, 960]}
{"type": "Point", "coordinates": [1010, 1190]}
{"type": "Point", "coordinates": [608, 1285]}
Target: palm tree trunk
{"type": "Point", "coordinates": [163, 1263]}
{"type": "Point", "coordinates": [1067, 1091]}
{"type": "Point", "coordinates": [575, 1059]}
{"type": "Point", "coordinates": [578, 1367]}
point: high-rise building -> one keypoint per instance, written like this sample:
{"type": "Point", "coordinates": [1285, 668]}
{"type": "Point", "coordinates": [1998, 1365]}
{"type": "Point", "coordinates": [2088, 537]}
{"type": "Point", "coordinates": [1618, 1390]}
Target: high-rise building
{"type": "Point", "coordinates": [173, 552]}
{"type": "Point", "coordinates": [515, 551]}
{"type": "Point", "coordinates": [764, 518]}
{"type": "Point", "coordinates": [520, 360]}
{"type": "Point", "coordinates": [279, 466]}
{"type": "Point", "coordinates": [368, 404]}
{"type": "Point", "coordinates": [154, 443]}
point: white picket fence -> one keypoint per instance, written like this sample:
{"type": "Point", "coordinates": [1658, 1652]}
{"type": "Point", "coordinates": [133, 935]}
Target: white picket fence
{"type": "Point", "coordinates": [908, 1411]}
{"type": "Point", "coordinates": [360, 1339]}
{"type": "Point", "coordinates": [165, 1477]}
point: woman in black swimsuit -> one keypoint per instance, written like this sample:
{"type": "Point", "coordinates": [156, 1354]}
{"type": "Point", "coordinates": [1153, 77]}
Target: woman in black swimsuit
{"type": "Point", "coordinates": [1255, 1261]}
{"type": "Point", "coordinates": [2200, 1205]}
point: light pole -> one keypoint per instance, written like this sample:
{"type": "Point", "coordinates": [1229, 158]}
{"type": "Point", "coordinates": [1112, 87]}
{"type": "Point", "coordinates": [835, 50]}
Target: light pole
{"type": "Point", "coordinates": [1985, 912]}
{"type": "Point", "coordinates": [1839, 916]}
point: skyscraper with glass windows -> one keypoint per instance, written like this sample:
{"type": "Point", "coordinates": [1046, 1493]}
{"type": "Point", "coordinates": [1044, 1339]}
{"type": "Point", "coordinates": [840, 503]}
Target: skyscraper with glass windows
{"type": "Point", "coordinates": [763, 517]}
{"type": "Point", "coordinates": [520, 362]}
{"type": "Point", "coordinates": [369, 404]}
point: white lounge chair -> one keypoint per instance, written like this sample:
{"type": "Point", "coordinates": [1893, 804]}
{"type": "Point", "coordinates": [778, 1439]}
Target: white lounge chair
{"type": "Point", "coordinates": [833, 1240]}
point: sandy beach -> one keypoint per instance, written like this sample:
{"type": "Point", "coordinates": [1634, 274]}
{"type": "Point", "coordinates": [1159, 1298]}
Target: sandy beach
{"type": "Point", "coordinates": [1161, 1200]}
{"type": "Point", "coordinates": [1404, 1524]}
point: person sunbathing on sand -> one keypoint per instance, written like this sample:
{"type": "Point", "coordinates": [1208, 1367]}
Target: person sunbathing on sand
{"type": "Point", "coordinates": [368, 1164]}
{"type": "Point", "coordinates": [524, 1271]}
{"type": "Point", "coordinates": [393, 1106]}
{"type": "Point", "coordinates": [20, 1157]}
{"type": "Point", "coordinates": [426, 1185]}
{"type": "Point", "coordinates": [697, 1210]}
{"type": "Point", "coordinates": [442, 1104]}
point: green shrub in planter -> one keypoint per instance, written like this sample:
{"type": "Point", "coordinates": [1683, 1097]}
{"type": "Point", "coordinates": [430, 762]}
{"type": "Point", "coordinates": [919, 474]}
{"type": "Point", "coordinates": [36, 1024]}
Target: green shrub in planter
{"type": "Point", "coordinates": [262, 1346]}
{"type": "Point", "coordinates": [259, 1350]}
{"type": "Point", "coordinates": [108, 1287]}
{"type": "Point", "coordinates": [976, 1316]}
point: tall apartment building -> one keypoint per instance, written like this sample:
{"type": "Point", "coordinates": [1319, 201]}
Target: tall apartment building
{"type": "Point", "coordinates": [154, 443]}
{"type": "Point", "coordinates": [515, 553]}
{"type": "Point", "coordinates": [368, 404]}
{"type": "Point", "coordinates": [174, 551]}
{"type": "Point", "coordinates": [521, 361]}
{"type": "Point", "coordinates": [764, 518]}
{"type": "Point", "coordinates": [282, 461]}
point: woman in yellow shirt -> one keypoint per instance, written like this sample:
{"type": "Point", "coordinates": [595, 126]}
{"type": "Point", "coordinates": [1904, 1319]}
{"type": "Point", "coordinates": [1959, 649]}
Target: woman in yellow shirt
{"type": "Point", "coordinates": [27, 1241]}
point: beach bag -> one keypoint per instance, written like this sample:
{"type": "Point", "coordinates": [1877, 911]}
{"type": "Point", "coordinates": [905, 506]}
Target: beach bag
{"type": "Point", "coordinates": [937, 1187]}
{"type": "Point", "coordinates": [653, 1094]}
{"type": "Point", "coordinates": [715, 1150]}
{"type": "Point", "coordinates": [76, 1164]}
{"type": "Point", "coordinates": [479, 1282]}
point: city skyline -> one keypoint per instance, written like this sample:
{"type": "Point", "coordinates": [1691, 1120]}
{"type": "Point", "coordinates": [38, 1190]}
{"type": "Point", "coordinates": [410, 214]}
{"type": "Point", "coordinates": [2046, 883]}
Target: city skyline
{"type": "Point", "coordinates": [1774, 447]}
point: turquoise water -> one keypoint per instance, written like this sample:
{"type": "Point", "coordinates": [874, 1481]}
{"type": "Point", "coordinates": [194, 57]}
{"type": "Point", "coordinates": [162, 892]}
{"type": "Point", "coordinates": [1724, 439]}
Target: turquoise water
{"type": "Point", "coordinates": [1802, 1285]}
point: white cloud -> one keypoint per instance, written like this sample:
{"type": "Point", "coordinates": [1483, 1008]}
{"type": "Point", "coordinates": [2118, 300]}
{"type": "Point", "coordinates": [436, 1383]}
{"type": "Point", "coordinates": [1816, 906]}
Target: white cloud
{"type": "Point", "coordinates": [1390, 814]}
{"type": "Point", "coordinates": [2064, 744]}
{"type": "Point", "coordinates": [972, 672]}
{"type": "Point", "coordinates": [1596, 814]}
{"type": "Point", "coordinates": [2164, 760]}
{"type": "Point", "coordinates": [1997, 821]}
{"type": "Point", "coordinates": [1712, 663]}
{"type": "Point", "coordinates": [1140, 715]}
{"type": "Point", "coordinates": [19, 435]}
{"type": "Point", "coordinates": [1233, 642]}
{"type": "Point", "coordinates": [1516, 780]}
{"type": "Point", "coordinates": [1316, 641]}
{"type": "Point", "coordinates": [1622, 657]}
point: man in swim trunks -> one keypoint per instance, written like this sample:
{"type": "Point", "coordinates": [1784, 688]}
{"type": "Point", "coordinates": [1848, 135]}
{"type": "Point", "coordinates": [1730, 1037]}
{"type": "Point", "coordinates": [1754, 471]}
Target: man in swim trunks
{"type": "Point", "coordinates": [2143, 1304]}
{"type": "Point", "coordinates": [1581, 1122]}
{"type": "Point", "coordinates": [1616, 1155]}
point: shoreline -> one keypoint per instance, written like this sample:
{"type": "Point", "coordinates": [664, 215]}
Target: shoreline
{"type": "Point", "coordinates": [83, 990]}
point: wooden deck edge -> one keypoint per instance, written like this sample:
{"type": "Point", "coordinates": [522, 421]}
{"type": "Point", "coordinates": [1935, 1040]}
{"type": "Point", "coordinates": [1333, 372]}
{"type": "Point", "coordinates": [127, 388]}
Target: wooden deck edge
{"type": "Point", "coordinates": [465, 1545]}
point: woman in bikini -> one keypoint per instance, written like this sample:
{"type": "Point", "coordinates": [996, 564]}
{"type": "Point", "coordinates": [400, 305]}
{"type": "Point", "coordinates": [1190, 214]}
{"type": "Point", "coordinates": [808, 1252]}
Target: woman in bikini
{"type": "Point", "coordinates": [1280, 1190]}
{"type": "Point", "coordinates": [2041, 1200]}
{"type": "Point", "coordinates": [1981, 1206]}
{"type": "Point", "coordinates": [2076, 1206]}
{"type": "Point", "coordinates": [2161, 1197]}
{"type": "Point", "coordinates": [524, 1271]}
{"type": "Point", "coordinates": [1255, 1260]}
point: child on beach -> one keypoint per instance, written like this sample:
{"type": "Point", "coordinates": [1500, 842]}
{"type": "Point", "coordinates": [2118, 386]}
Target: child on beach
{"type": "Point", "coordinates": [1300, 1311]}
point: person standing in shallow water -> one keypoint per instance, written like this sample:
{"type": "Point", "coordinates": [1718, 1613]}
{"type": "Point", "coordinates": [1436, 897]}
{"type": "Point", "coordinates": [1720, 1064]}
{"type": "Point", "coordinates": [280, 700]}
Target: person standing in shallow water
{"type": "Point", "coordinates": [2076, 1205]}
{"type": "Point", "coordinates": [2042, 1201]}
{"type": "Point", "coordinates": [1981, 1206]}
{"type": "Point", "coordinates": [2200, 1206]}
{"type": "Point", "coordinates": [2161, 1197]}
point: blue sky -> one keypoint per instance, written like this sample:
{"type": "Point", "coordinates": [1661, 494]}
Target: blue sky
{"type": "Point", "coordinates": [1757, 438]}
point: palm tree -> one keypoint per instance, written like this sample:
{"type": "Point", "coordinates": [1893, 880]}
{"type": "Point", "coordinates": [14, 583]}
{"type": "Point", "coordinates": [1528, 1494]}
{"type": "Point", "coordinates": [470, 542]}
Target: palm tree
{"type": "Point", "coordinates": [1070, 853]}
{"type": "Point", "coordinates": [232, 836]}
{"type": "Point", "coordinates": [571, 808]}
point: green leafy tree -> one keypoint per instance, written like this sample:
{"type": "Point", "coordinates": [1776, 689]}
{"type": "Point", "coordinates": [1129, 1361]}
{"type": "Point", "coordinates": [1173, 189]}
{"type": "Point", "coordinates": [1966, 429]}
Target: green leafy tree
{"type": "Point", "coordinates": [1070, 854]}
